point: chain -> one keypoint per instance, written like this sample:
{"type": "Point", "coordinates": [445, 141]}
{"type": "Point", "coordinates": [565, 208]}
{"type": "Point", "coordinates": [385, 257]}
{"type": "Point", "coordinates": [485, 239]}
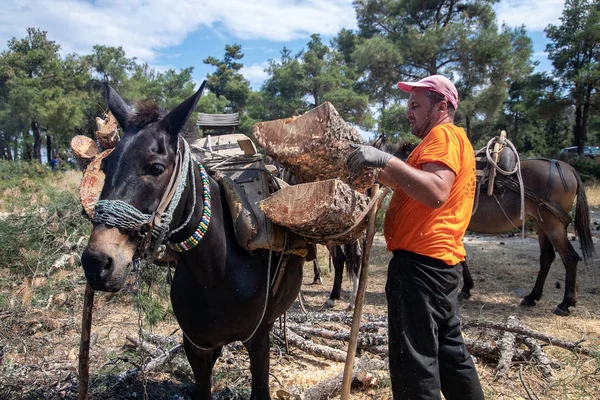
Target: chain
{"type": "Point", "coordinates": [136, 267]}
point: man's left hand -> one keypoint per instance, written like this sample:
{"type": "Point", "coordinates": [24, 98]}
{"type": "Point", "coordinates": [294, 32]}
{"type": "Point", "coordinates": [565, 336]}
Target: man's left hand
{"type": "Point", "coordinates": [367, 156]}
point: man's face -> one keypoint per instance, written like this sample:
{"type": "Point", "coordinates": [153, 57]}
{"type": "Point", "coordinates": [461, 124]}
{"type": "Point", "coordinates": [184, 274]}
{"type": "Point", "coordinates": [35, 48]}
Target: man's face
{"type": "Point", "coordinates": [421, 114]}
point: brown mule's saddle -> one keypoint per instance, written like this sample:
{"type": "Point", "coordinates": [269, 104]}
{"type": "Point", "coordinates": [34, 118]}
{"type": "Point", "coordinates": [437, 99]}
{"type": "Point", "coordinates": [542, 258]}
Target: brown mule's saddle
{"type": "Point", "coordinates": [501, 156]}
{"type": "Point", "coordinates": [233, 161]}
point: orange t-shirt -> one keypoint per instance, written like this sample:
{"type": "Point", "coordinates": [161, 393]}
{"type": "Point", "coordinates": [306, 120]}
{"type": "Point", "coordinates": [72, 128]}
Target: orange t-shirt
{"type": "Point", "coordinates": [436, 232]}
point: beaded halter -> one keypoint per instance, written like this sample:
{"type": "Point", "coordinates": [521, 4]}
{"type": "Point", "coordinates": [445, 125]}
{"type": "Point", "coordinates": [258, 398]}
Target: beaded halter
{"type": "Point", "coordinates": [198, 234]}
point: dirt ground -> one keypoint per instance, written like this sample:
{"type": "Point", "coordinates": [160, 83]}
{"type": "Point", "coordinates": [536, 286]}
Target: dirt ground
{"type": "Point", "coordinates": [39, 346]}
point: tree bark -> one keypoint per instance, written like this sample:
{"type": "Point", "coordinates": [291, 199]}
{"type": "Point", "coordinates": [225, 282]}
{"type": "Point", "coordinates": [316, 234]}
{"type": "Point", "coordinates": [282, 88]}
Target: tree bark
{"type": "Point", "coordinates": [506, 346]}
{"type": "Point", "coordinates": [37, 141]}
{"type": "Point", "coordinates": [48, 148]}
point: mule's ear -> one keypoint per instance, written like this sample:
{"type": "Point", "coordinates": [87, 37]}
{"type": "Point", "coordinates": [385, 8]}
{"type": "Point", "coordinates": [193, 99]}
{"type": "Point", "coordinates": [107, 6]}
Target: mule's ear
{"type": "Point", "coordinates": [178, 117]}
{"type": "Point", "coordinates": [117, 106]}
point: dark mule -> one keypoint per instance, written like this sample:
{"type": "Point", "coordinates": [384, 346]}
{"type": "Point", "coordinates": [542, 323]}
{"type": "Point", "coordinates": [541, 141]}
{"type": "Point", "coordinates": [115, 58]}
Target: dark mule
{"type": "Point", "coordinates": [350, 256]}
{"type": "Point", "coordinates": [220, 292]}
{"type": "Point", "coordinates": [552, 187]}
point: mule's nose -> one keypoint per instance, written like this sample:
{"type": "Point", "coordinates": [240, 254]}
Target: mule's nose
{"type": "Point", "coordinates": [97, 267]}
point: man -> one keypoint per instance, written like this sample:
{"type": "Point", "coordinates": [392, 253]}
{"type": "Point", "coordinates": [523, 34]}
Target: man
{"type": "Point", "coordinates": [424, 226]}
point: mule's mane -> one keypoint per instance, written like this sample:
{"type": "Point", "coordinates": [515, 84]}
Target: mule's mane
{"type": "Point", "coordinates": [146, 112]}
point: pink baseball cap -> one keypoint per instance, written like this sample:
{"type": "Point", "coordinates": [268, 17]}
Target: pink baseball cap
{"type": "Point", "coordinates": [438, 83]}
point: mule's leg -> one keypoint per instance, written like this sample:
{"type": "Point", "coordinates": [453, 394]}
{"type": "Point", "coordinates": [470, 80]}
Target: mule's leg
{"type": "Point", "coordinates": [339, 260]}
{"type": "Point", "coordinates": [465, 292]}
{"type": "Point", "coordinates": [258, 350]}
{"type": "Point", "coordinates": [202, 363]}
{"type": "Point", "coordinates": [558, 237]}
{"type": "Point", "coordinates": [317, 270]}
{"type": "Point", "coordinates": [547, 256]}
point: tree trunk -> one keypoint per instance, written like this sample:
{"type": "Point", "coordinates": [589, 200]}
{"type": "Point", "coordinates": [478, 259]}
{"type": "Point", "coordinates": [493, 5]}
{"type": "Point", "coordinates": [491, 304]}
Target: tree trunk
{"type": "Point", "coordinates": [585, 114]}
{"type": "Point", "coordinates": [48, 148]}
{"type": "Point", "coordinates": [27, 149]}
{"type": "Point", "coordinates": [577, 128]}
{"type": "Point", "coordinates": [4, 148]}
{"type": "Point", "coordinates": [37, 141]}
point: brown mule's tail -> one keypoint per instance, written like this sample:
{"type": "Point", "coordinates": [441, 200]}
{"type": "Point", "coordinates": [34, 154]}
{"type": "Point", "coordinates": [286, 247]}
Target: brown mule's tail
{"type": "Point", "coordinates": [582, 222]}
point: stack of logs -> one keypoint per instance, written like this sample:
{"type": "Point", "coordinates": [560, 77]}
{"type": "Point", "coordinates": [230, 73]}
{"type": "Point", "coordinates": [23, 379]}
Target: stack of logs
{"type": "Point", "coordinates": [329, 199]}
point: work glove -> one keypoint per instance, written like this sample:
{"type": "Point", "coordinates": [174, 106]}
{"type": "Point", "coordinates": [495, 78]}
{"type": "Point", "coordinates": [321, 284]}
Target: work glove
{"type": "Point", "coordinates": [366, 156]}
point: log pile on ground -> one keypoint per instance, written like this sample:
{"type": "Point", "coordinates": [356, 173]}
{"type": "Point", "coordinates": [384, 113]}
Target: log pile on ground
{"type": "Point", "coordinates": [313, 146]}
{"type": "Point", "coordinates": [326, 336]}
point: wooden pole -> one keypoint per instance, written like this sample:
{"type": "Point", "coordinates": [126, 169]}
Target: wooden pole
{"type": "Point", "coordinates": [360, 297]}
{"type": "Point", "coordinates": [84, 345]}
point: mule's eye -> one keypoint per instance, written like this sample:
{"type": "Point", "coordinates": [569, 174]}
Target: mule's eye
{"type": "Point", "coordinates": [156, 169]}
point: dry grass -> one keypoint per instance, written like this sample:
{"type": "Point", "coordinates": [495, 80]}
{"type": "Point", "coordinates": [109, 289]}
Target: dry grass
{"type": "Point", "coordinates": [504, 269]}
{"type": "Point", "coordinates": [593, 195]}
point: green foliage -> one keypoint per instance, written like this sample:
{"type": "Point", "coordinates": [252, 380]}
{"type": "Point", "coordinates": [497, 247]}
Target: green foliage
{"type": "Point", "coordinates": [227, 81]}
{"type": "Point", "coordinates": [44, 228]}
{"type": "Point", "coordinates": [42, 93]}
{"type": "Point", "coordinates": [589, 169]}
{"type": "Point", "coordinates": [575, 55]}
{"type": "Point", "coordinates": [154, 293]}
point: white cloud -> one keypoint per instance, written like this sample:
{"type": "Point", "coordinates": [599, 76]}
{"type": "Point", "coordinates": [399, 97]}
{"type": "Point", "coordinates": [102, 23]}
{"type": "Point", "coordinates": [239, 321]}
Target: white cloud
{"type": "Point", "coordinates": [534, 14]}
{"type": "Point", "coordinates": [144, 27]}
{"type": "Point", "coordinates": [255, 73]}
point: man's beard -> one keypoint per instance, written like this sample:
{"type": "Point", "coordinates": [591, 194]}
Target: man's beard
{"type": "Point", "coordinates": [422, 129]}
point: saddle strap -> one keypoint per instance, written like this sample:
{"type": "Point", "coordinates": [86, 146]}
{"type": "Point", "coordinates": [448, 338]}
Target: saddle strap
{"type": "Point", "coordinates": [541, 201]}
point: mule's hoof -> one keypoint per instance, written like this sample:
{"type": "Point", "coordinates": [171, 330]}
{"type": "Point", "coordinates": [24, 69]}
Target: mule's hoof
{"type": "Point", "coordinates": [463, 296]}
{"type": "Point", "coordinates": [562, 312]}
{"type": "Point", "coordinates": [526, 302]}
{"type": "Point", "coordinates": [329, 303]}
{"type": "Point", "coordinates": [317, 281]}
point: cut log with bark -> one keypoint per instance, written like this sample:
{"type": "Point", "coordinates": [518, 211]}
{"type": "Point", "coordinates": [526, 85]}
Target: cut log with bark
{"type": "Point", "coordinates": [108, 131]}
{"type": "Point", "coordinates": [325, 212]}
{"type": "Point", "coordinates": [85, 149]}
{"type": "Point", "coordinates": [313, 146]}
{"type": "Point", "coordinates": [92, 184]}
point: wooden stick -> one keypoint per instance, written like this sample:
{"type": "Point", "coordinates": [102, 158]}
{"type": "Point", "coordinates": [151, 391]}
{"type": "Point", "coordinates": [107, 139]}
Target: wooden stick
{"type": "Point", "coordinates": [84, 345]}
{"type": "Point", "coordinates": [360, 297]}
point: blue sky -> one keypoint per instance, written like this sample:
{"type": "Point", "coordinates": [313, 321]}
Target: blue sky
{"type": "Point", "coordinates": [181, 33]}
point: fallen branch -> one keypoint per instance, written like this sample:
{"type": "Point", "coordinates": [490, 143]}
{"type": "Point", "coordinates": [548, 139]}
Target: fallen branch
{"type": "Point", "coordinates": [152, 364]}
{"type": "Point", "coordinates": [506, 347]}
{"type": "Point", "coordinates": [544, 362]}
{"type": "Point", "coordinates": [522, 330]}
{"type": "Point", "coordinates": [146, 346]}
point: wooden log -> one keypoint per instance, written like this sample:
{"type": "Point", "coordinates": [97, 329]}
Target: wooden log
{"type": "Point", "coordinates": [313, 146]}
{"type": "Point", "coordinates": [108, 131]}
{"type": "Point", "coordinates": [364, 340]}
{"type": "Point", "coordinates": [85, 149]}
{"type": "Point", "coordinates": [315, 349]}
{"type": "Point", "coordinates": [543, 361]}
{"type": "Point", "coordinates": [318, 210]}
{"type": "Point", "coordinates": [92, 184]}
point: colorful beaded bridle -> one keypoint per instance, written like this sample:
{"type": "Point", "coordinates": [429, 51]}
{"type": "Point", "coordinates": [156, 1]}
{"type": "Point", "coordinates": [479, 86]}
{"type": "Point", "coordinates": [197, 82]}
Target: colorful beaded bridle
{"type": "Point", "coordinates": [200, 231]}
